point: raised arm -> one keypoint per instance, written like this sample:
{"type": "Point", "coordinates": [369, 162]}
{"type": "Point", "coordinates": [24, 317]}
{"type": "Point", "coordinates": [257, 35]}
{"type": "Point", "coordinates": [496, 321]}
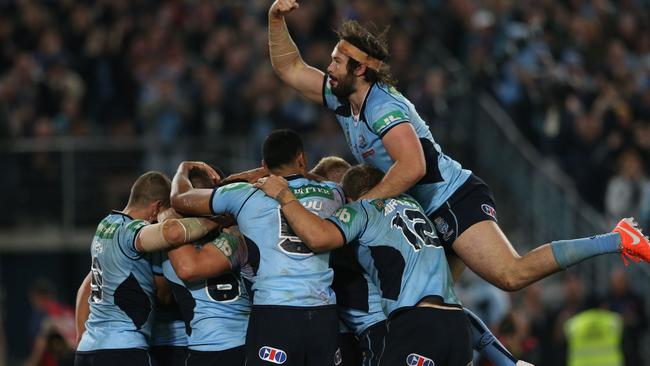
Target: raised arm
{"type": "Point", "coordinates": [403, 146]}
{"type": "Point", "coordinates": [186, 199]}
{"type": "Point", "coordinates": [318, 234]}
{"type": "Point", "coordinates": [285, 56]}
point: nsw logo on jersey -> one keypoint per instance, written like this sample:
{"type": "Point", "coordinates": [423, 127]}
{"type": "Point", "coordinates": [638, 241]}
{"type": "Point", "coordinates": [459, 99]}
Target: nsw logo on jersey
{"type": "Point", "coordinates": [416, 360]}
{"type": "Point", "coordinates": [273, 355]}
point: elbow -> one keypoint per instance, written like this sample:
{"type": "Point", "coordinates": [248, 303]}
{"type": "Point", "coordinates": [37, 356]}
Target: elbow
{"type": "Point", "coordinates": [510, 282]}
{"type": "Point", "coordinates": [419, 171]}
{"type": "Point", "coordinates": [177, 202]}
{"type": "Point", "coordinates": [173, 232]}
{"type": "Point", "coordinates": [318, 245]}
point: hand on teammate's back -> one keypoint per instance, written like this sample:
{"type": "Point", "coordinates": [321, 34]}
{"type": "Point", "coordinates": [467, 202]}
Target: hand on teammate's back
{"type": "Point", "coordinates": [282, 7]}
{"type": "Point", "coordinates": [272, 185]}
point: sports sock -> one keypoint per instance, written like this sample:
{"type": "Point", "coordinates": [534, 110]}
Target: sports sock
{"type": "Point", "coordinates": [570, 252]}
{"type": "Point", "coordinates": [485, 343]}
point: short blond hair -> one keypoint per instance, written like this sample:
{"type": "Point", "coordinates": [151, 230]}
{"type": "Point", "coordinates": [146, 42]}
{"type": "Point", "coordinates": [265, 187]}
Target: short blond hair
{"type": "Point", "coordinates": [331, 168]}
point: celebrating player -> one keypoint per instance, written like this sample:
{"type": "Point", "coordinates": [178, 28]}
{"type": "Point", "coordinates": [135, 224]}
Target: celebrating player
{"type": "Point", "coordinates": [383, 129]}
{"type": "Point", "coordinates": [291, 285]}
{"type": "Point", "coordinates": [119, 323]}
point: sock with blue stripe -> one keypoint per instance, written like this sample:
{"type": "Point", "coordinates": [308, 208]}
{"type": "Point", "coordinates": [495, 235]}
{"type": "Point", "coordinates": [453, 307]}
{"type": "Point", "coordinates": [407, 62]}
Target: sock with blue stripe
{"type": "Point", "coordinates": [570, 252]}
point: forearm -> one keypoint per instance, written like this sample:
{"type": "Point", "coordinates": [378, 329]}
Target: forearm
{"type": "Point", "coordinates": [399, 179]}
{"type": "Point", "coordinates": [172, 233]}
{"type": "Point", "coordinates": [282, 50]}
{"type": "Point", "coordinates": [180, 184]}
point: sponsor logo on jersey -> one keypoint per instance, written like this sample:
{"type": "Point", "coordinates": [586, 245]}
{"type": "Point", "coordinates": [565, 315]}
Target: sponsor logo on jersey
{"type": "Point", "coordinates": [378, 204]}
{"type": "Point", "coordinates": [416, 360]}
{"type": "Point", "coordinates": [489, 210]}
{"type": "Point", "coordinates": [273, 355]}
{"type": "Point", "coordinates": [345, 214]}
{"type": "Point", "coordinates": [386, 120]}
{"type": "Point", "coordinates": [312, 190]}
{"type": "Point", "coordinates": [368, 153]}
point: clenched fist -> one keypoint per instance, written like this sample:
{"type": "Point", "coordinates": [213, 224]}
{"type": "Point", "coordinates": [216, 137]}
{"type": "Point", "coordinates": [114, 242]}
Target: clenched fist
{"type": "Point", "coordinates": [281, 8]}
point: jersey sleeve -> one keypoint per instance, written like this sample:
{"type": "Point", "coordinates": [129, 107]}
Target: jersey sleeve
{"type": "Point", "coordinates": [230, 198]}
{"type": "Point", "coordinates": [329, 99]}
{"type": "Point", "coordinates": [127, 235]}
{"type": "Point", "coordinates": [387, 115]}
{"type": "Point", "coordinates": [351, 220]}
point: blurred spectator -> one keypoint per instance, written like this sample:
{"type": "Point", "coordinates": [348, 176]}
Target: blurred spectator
{"type": "Point", "coordinates": [628, 192]}
{"type": "Point", "coordinates": [622, 300]}
{"type": "Point", "coordinates": [51, 326]}
{"type": "Point", "coordinates": [594, 336]}
{"type": "Point", "coordinates": [514, 333]}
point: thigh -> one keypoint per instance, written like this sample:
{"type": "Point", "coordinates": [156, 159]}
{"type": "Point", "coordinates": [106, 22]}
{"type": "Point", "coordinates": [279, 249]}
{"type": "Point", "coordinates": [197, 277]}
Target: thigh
{"type": "Point", "coordinates": [471, 204]}
{"type": "Point", "coordinates": [230, 357]}
{"type": "Point", "coordinates": [169, 355]}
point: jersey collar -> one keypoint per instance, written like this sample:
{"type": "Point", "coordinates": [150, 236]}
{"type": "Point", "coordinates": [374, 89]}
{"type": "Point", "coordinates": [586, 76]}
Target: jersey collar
{"type": "Point", "coordinates": [116, 212]}
{"type": "Point", "coordinates": [293, 177]}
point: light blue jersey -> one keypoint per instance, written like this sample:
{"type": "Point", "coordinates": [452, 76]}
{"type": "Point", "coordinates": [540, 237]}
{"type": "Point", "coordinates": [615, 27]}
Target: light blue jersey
{"type": "Point", "coordinates": [122, 288]}
{"type": "Point", "coordinates": [383, 109]}
{"type": "Point", "coordinates": [398, 248]}
{"type": "Point", "coordinates": [358, 299]}
{"type": "Point", "coordinates": [168, 325]}
{"type": "Point", "coordinates": [216, 310]}
{"type": "Point", "coordinates": [285, 271]}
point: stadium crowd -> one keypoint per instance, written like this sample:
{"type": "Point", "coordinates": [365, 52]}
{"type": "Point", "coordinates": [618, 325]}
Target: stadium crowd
{"type": "Point", "coordinates": [574, 76]}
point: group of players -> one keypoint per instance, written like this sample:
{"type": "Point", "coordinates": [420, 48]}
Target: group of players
{"type": "Point", "coordinates": [376, 247]}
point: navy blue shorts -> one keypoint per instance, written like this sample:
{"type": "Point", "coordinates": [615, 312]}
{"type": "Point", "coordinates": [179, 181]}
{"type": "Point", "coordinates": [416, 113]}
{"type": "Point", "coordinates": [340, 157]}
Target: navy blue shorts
{"type": "Point", "coordinates": [230, 357]}
{"type": "Point", "coordinates": [472, 202]}
{"type": "Point", "coordinates": [168, 355]}
{"type": "Point", "coordinates": [427, 337]}
{"type": "Point", "coordinates": [371, 344]}
{"type": "Point", "coordinates": [293, 336]}
{"type": "Point", "coordinates": [110, 357]}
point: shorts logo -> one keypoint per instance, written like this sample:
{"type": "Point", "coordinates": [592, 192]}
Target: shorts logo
{"type": "Point", "coordinates": [337, 357]}
{"type": "Point", "coordinates": [416, 360]}
{"type": "Point", "coordinates": [273, 355]}
{"type": "Point", "coordinates": [489, 210]}
{"type": "Point", "coordinates": [443, 228]}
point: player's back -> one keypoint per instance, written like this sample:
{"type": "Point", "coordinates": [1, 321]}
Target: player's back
{"type": "Point", "coordinates": [121, 287]}
{"type": "Point", "coordinates": [398, 248]}
{"type": "Point", "coordinates": [287, 273]}
{"type": "Point", "coordinates": [220, 303]}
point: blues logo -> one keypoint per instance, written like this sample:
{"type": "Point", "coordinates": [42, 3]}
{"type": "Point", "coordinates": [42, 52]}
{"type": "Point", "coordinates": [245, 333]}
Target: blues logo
{"type": "Point", "coordinates": [489, 210]}
{"type": "Point", "coordinates": [416, 360]}
{"type": "Point", "coordinates": [273, 355]}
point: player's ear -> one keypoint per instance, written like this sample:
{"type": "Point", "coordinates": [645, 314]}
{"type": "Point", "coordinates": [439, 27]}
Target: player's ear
{"type": "Point", "coordinates": [360, 70]}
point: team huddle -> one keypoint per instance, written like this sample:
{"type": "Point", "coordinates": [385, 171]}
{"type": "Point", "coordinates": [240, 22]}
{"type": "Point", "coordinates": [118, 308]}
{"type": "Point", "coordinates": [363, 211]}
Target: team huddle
{"type": "Point", "coordinates": [337, 265]}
